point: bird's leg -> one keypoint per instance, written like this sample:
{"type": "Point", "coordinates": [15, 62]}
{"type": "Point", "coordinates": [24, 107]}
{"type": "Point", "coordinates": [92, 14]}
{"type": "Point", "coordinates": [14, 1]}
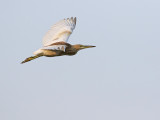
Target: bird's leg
{"type": "Point", "coordinates": [30, 58]}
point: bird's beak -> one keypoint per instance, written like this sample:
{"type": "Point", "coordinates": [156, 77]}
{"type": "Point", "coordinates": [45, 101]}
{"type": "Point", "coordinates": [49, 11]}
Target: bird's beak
{"type": "Point", "coordinates": [87, 46]}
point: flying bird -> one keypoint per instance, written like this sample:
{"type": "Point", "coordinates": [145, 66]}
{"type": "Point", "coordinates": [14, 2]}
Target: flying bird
{"type": "Point", "coordinates": [55, 41]}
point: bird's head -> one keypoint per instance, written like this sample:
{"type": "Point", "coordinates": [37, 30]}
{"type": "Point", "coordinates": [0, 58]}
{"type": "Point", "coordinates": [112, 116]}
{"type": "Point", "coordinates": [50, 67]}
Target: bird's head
{"type": "Point", "coordinates": [80, 47]}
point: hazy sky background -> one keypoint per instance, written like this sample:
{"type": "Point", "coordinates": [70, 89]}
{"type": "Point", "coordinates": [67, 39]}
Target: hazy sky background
{"type": "Point", "coordinates": [117, 80]}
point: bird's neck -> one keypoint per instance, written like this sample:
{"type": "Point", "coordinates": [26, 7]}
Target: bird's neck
{"type": "Point", "coordinates": [71, 50]}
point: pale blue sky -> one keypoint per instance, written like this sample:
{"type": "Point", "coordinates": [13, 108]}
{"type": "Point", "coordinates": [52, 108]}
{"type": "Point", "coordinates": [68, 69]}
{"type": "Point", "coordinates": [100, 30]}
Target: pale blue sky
{"type": "Point", "coordinates": [117, 80]}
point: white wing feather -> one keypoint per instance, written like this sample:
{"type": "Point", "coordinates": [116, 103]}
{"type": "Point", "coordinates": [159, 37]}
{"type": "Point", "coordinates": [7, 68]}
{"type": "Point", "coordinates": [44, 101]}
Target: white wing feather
{"type": "Point", "coordinates": [56, 47]}
{"type": "Point", "coordinates": [60, 31]}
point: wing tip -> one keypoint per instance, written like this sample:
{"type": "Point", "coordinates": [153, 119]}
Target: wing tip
{"type": "Point", "coordinates": [74, 19]}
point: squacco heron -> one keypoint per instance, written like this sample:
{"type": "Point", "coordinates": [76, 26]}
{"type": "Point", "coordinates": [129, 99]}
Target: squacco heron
{"type": "Point", "coordinates": [55, 41]}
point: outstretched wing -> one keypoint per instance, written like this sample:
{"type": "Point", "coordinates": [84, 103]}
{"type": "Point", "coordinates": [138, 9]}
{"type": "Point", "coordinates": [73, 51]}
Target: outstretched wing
{"type": "Point", "coordinates": [60, 31]}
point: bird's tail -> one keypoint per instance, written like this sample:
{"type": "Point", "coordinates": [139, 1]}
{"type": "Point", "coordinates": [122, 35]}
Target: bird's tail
{"type": "Point", "coordinates": [30, 58]}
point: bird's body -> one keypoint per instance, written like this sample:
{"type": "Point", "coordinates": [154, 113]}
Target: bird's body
{"type": "Point", "coordinates": [69, 50]}
{"type": "Point", "coordinates": [55, 41]}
